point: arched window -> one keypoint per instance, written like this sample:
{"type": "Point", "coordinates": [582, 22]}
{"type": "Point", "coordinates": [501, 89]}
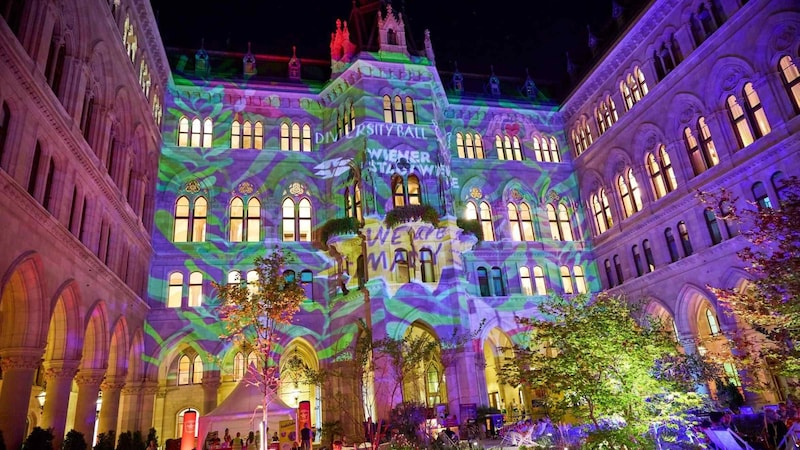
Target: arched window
{"type": "Point", "coordinates": [237, 220]}
{"type": "Point", "coordinates": [703, 155]}
{"type": "Point", "coordinates": [285, 141]}
{"type": "Point", "coordinates": [398, 109]}
{"type": "Point", "coordinates": [236, 135]}
{"type": "Point", "coordinates": [238, 367]}
{"type": "Point", "coordinates": [552, 218]}
{"type": "Point", "coordinates": [671, 245]}
{"type": "Point", "coordinates": [199, 219]}
{"type": "Point", "coordinates": [713, 324]}
{"type": "Point", "coordinates": [184, 370]}
{"type": "Point", "coordinates": [208, 129]}
{"type": "Point", "coordinates": [483, 282]}
{"type": "Point", "coordinates": [410, 114]}
{"type": "Point", "coordinates": [640, 81]}
{"type": "Point", "coordinates": [175, 290]}
{"type": "Point", "coordinates": [297, 220]}
{"type": "Point", "coordinates": [755, 111]}
{"type": "Point", "coordinates": [414, 196]}
{"type": "Point", "coordinates": [618, 269]}
{"type": "Point", "coordinates": [760, 195]}
{"type": "Point", "coordinates": [253, 220]}
{"type": "Point", "coordinates": [183, 132]}
{"type": "Point", "coordinates": [631, 200]}
{"type": "Point", "coordinates": [195, 289]}
{"type": "Point", "coordinates": [193, 219]}
{"type": "Point", "coordinates": [460, 145]}
{"type": "Point", "coordinates": [580, 279]}
{"type": "Point", "coordinates": [508, 148]}
{"type": "Point", "coordinates": [648, 255]}
{"type": "Point", "coordinates": [295, 139]}
{"type": "Point", "coordinates": [252, 360]}
{"type": "Point", "coordinates": [791, 80]}
{"type": "Point", "coordinates": [778, 185]}
{"type": "Point", "coordinates": [471, 212]}
{"type": "Point", "coordinates": [526, 222]}
{"type": "Point", "coordinates": [560, 226]}
{"type": "Point", "coordinates": [609, 274]}
{"type": "Point", "coordinates": [661, 173]}
{"type": "Point", "coordinates": [247, 135]}
{"type": "Point", "coordinates": [566, 280]}
{"type": "Point", "coordinates": [426, 265]}
{"type": "Point", "coordinates": [401, 271]}
{"type": "Point", "coordinates": [539, 281]}
{"type": "Point", "coordinates": [713, 226]}
{"type": "Point", "coordinates": [627, 95]}
{"type": "Point", "coordinates": [252, 282]}
{"type": "Point", "coordinates": [387, 109]}
{"type": "Point", "coordinates": [470, 145]}
{"type": "Point", "coordinates": [258, 136]}
{"type": "Point", "coordinates": [399, 191]}
{"type": "Point", "coordinates": [486, 221]}
{"type": "Point", "coordinates": [685, 240]}
{"type": "Point", "coordinates": [525, 284]}
{"type": "Point", "coordinates": [306, 143]}
{"type": "Point", "coordinates": [234, 277]}
{"type": "Point", "coordinates": [498, 286]}
{"type": "Point", "coordinates": [196, 133]}
{"type": "Point", "coordinates": [197, 370]}
{"type": "Point", "coordinates": [637, 260]}
{"type": "Point", "coordinates": [555, 155]}
{"type": "Point", "coordinates": [744, 134]}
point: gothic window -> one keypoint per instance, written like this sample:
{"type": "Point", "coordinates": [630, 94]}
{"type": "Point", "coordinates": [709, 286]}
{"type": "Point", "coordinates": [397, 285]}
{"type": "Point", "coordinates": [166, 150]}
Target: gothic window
{"type": "Point", "coordinates": [352, 201]}
{"type": "Point", "coordinates": [245, 223]}
{"type": "Point", "coordinates": [566, 280]}
{"type": "Point", "coordinates": [580, 279]}
{"type": "Point", "coordinates": [671, 245]}
{"type": "Point", "coordinates": [183, 132]}
{"type": "Point", "coordinates": [560, 226]}
{"type": "Point", "coordinates": [197, 370]}
{"type": "Point", "coordinates": [713, 324]}
{"type": "Point", "coordinates": [54, 68]}
{"type": "Point", "coordinates": [713, 226]}
{"type": "Point", "coordinates": [486, 221]}
{"type": "Point", "coordinates": [602, 211]}
{"type": "Point", "coordinates": [295, 137]}
{"type": "Point", "coordinates": [406, 191]}
{"type": "Point", "coordinates": [741, 127]}
{"type": "Point", "coordinates": [666, 57]}
{"type": "Point", "coordinates": [195, 289]}
{"type": "Point", "coordinates": [726, 211]}
{"type": "Point", "coordinates": [618, 269]}
{"type": "Point", "coordinates": [791, 80]}
{"type": "Point", "coordinates": [190, 220]}
{"type": "Point", "coordinates": [629, 193]}
{"type": "Point", "coordinates": [627, 95]}
{"type": "Point", "coordinates": [508, 148]}
{"type": "Point", "coordinates": [251, 279]}
{"type": "Point", "coordinates": [296, 220]}
{"type": "Point", "coordinates": [755, 111]}
{"type": "Point", "coordinates": [238, 366]}
{"type": "Point", "coordinates": [779, 185]}
{"type": "Point", "coordinates": [129, 38]}
{"type": "Point", "coordinates": [410, 113]}
{"type": "Point", "coordinates": [426, 265]}
{"type": "Point", "coordinates": [401, 271]}
{"type": "Point", "coordinates": [175, 290]}
{"type": "Point", "coordinates": [399, 110]}
{"type": "Point", "coordinates": [388, 117]}
{"type": "Point", "coordinates": [352, 121]}
{"type": "Point", "coordinates": [685, 240]}
{"type": "Point", "coordinates": [661, 173]}
{"type": "Point", "coordinates": [208, 128]}
{"type": "Point", "coordinates": [521, 222]}
{"type": "Point", "coordinates": [498, 286]}
{"type": "Point", "coordinates": [525, 281]}
{"type": "Point", "coordinates": [391, 37]}
{"type": "Point", "coordinates": [539, 281]}
{"type": "Point", "coordinates": [11, 10]}
{"type": "Point", "coordinates": [648, 255]}
{"type": "Point", "coordinates": [247, 135]}
{"type": "Point", "coordinates": [637, 260]}
{"type": "Point", "coordinates": [184, 370]}
{"type": "Point", "coordinates": [760, 195]}
{"type": "Point", "coordinates": [470, 145]}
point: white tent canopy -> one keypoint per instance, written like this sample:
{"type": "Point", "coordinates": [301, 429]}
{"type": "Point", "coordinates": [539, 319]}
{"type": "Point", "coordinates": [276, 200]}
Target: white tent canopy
{"type": "Point", "coordinates": [241, 411]}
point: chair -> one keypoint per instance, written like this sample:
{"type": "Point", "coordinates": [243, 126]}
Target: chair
{"type": "Point", "coordinates": [727, 440]}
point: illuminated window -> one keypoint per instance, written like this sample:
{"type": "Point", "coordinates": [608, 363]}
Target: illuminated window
{"type": "Point", "coordinates": [508, 148]}
{"type": "Point", "coordinates": [486, 221]}
{"type": "Point", "coordinates": [184, 370]}
{"type": "Point", "coordinates": [566, 280]}
{"type": "Point", "coordinates": [732, 373]}
{"type": "Point", "coordinates": [560, 226]}
{"type": "Point", "coordinates": [208, 128]}
{"type": "Point", "coordinates": [410, 114]}
{"type": "Point", "coordinates": [252, 282]}
{"type": "Point", "coordinates": [629, 193]}
{"type": "Point", "coordinates": [197, 370]}
{"type": "Point", "coordinates": [483, 282]}
{"type": "Point", "coordinates": [195, 289]}
{"type": "Point", "coordinates": [525, 281]}
{"type": "Point", "coordinates": [713, 226]}
{"type": "Point", "coordinates": [580, 279]}
{"type": "Point", "coordinates": [703, 154]}
{"type": "Point", "coordinates": [625, 90]}
{"type": "Point", "coordinates": [175, 291]}
{"type": "Point", "coordinates": [546, 150]}
{"type": "Point", "coordinates": [633, 87]}
{"type": "Point", "coordinates": [401, 271]}
{"type": "Point", "coordinates": [755, 111]}
{"type": "Point", "coordinates": [237, 220]}
{"type": "Point", "coordinates": [671, 245]}
{"type": "Point", "coordinates": [387, 109]}
{"type": "Point", "coordinates": [521, 222]}
{"type": "Point", "coordinates": [285, 136]}
{"type": "Point", "coordinates": [193, 219]}
{"type": "Point", "coordinates": [238, 367]}
{"type": "Point", "coordinates": [539, 281]}
{"type": "Point", "coordinates": [469, 145]}
{"type": "Point", "coordinates": [352, 202]}
{"type": "Point", "coordinates": [183, 132]}
{"type": "Point", "coordinates": [398, 110]}
{"type": "Point", "coordinates": [661, 173]}
{"type": "Point", "coordinates": [295, 137]}
{"type": "Point", "coordinates": [760, 195]}
{"type": "Point", "coordinates": [426, 265]}
{"type": "Point", "coordinates": [791, 80]}
{"type": "Point", "coordinates": [406, 191]}
{"type": "Point", "coordinates": [236, 135]}
{"type": "Point", "coordinates": [129, 38]}
{"type": "Point", "coordinates": [683, 231]}
{"type": "Point", "coordinates": [741, 127]}
{"type": "Point", "coordinates": [297, 220]}
{"type": "Point", "coordinates": [247, 135]}
{"type": "Point", "coordinates": [602, 211]}
{"type": "Point", "coordinates": [352, 117]}
{"type": "Point", "coordinates": [713, 324]}
{"type": "Point", "coordinates": [498, 286]}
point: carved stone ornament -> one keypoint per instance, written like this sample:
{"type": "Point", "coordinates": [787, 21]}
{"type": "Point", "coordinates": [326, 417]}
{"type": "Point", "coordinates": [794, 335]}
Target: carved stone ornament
{"type": "Point", "coordinates": [553, 196]}
{"type": "Point", "coordinates": [193, 186]}
{"type": "Point", "coordinates": [650, 142]}
{"type": "Point", "coordinates": [516, 195]}
{"type": "Point", "coordinates": [476, 192]}
{"type": "Point", "coordinates": [245, 187]}
{"type": "Point", "coordinates": [731, 76]}
{"type": "Point", "coordinates": [687, 113]}
{"type": "Point", "coordinates": [785, 36]}
{"type": "Point", "coordinates": [619, 166]}
{"type": "Point", "coordinates": [296, 189]}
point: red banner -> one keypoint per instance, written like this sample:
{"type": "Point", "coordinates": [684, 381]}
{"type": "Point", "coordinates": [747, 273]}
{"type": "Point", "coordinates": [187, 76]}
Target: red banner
{"type": "Point", "coordinates": [189, 426]}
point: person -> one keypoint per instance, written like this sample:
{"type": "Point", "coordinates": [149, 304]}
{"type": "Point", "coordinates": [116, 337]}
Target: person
{"type": "Point", "coordinates": [305, 437]}
{"type": "Point", "coordinates": [251, 441]}
{"type": "Point", "coordinates": [275, 437]}
{"type": "Point", "coordinates": [227, 438]}
{"type": "Point", "coordinates": [776, 428]}
{"type": "Point", "coordinates": [237, 443]}
{"type": "Point", "coordinates": [152, 445]}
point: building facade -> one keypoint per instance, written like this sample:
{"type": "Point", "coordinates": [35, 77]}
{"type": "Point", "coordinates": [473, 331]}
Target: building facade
{"type": "Point", "coordinates": [468, 208]}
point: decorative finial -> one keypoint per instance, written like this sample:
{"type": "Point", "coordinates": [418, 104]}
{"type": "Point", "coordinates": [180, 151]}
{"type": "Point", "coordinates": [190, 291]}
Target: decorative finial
{"type": "Point", "coordinates": [294, 51]}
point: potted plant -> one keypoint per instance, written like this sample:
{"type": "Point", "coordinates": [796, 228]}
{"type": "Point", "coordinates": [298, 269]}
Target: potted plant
{"type": "Point", "coordinates": [412, 213]}
{"type": "Point", "coordinates": [471, 226]}
{"type": "Point", "coordinates": [338, 227]}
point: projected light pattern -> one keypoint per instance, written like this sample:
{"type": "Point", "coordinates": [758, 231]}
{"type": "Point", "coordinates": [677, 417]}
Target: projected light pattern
{"type": "Point", "coordinates": [414, 274]}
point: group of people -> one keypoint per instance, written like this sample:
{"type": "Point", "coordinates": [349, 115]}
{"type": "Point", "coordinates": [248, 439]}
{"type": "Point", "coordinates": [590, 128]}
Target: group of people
{"type": "Point", "coordinates": [238, 442]}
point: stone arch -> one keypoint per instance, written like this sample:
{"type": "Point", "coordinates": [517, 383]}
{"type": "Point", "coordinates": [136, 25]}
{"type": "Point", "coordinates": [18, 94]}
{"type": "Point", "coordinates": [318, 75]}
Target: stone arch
{"type": "Point", "coordinates": [96, 338]}
{"type": "Point", "coordinates": [497, 350]}
{"type": "Point", "coordinates": [100, 68]}
{"type": "Point", "coordinates": [617, 161]}
{"type": "Point", "coordinates": [691, 300]}
{"type": "Point", "coordinates": [118, 349]}
{"type": "Point", "coordinates": [292, 388]}
{"type": "Point", "coordinates": [168, 353]}
{"type": "Point", "coordinates": [136, 363]}
{"type": "Point", "coordinates": [732, 73]}
{"type": "Point", "coordinates": [24, 309]}
{"type": "Point", "coordinates": [65, 336]}
{"type": "Point", "coordinates": [646, 140]}
{"type": "Point", "coordinates": [780, 35]}
{"type": "Point", "coordinates": [684, 111]}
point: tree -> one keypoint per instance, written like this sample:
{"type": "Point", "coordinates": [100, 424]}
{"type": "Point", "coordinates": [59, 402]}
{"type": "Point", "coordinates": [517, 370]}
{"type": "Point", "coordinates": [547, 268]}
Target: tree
{"type": "Point", "coordinates": [74, 441]}
{"type": "Point", "coordinates": [769, 304]}
{"type": "Point", "coordinates": [596, 361]}
{"type": "Point", "coordinates": [105, 441]}
{"type": "Point", "coordinates": [39, 439]}
{"type": "Point", "coordinates": [255, 313]}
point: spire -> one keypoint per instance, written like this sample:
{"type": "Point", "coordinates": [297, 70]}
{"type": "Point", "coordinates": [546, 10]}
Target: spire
{"type": "Point", "coordinates": [592, 41]}
{"type": "Point", "coordinates": [294, 65]}
{"type": "Point", "coordinates": [392, 32]}
{"type": "Point", "coordinates": [201, 66]}
{"type": "Point", "coordinates": [249, 62]}
{"type": "Point", "coordinates": [458, 80]}
{"type": "Point", "coordinates": [494, 83]}
{"type": "Point", "coordinates": [429, 47]}
{"type": "Point", "coordinates": [529, 88]}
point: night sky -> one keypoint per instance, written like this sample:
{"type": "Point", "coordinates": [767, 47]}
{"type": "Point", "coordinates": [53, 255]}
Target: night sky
{"type": "Point", "coordinates": [511, 35]}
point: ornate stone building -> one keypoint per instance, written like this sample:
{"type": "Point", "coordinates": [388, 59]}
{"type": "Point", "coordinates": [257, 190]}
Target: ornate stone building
{"type": "Point", "coordinates": [596, 192]}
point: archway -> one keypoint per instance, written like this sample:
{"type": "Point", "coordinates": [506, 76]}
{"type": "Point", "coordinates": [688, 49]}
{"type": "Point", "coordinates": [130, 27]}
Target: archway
{"type": "Point", "coordinates": [498, 351]}
{"type": "Point", "coordinates": [423, 380]}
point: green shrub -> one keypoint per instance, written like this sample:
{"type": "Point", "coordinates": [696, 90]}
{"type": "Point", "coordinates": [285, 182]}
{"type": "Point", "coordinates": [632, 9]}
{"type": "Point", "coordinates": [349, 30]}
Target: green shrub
{"type": "Point", "coordinates": [338, 226]}
{"type": "Point", "coordinates": [412, 213]}
{"type": "Point", "coordinates": [74, 441]}
{"type": "Point", "coordinates": [471, 226]}
{"type": "Point", "coordinates": [39, 439]}
{"type": "Point", "coordinates": [105, 441]}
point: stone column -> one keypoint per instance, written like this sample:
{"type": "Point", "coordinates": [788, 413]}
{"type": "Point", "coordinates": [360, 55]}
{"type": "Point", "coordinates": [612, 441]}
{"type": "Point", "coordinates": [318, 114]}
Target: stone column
{"type": "Point", "coordinates": [211, 383]}
{"type": "Point", "coordinates": [19, 366]}
{"type": "Point", "coordinates": [147, 405]}
{"type": "Point", "coordinates": [88, 381]}
{"type": "Point", "coordinates": [128, 412]}
{"type": "Point", "coordinates": [59, 375]}
{"type": "Point", "coordinates": [111, 388]}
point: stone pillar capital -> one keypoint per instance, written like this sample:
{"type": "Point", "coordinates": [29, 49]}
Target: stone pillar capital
{"type": "Point", "coordinates": [21, 358]}
{"type": "Point", "coordinates": [112, 384]}
{"type": "Point", "coordinates": [90, 377]}
{"type": "Point", "coordinates": [60, 369]}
